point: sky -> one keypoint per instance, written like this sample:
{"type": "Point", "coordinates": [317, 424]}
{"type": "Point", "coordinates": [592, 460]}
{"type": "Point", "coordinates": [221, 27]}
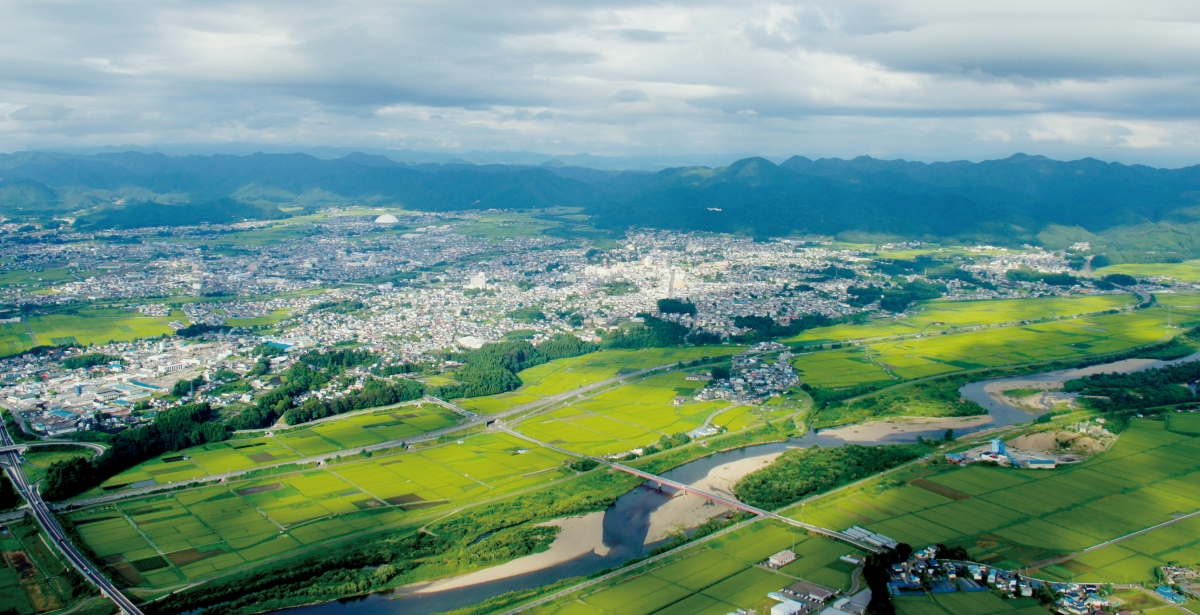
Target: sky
{"type": "Point", "coordinates": [923, 80]}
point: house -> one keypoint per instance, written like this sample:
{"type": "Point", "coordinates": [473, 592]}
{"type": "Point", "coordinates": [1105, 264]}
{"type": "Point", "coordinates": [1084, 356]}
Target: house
{"type": "Point", "coordinates": [808, 589]}
{"type": "Point", "coordinates": [787, 607]}
{"type": "Point", "coordinates": [781, 559]}
{"type": "Point", "coordinates": [1041, 464]}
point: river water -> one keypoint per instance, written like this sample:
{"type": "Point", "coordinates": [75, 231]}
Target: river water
{"type": "Point", "coordinates": [627, 521]}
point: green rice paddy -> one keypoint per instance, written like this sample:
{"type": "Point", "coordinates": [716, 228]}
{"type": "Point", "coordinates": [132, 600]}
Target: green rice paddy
{"type": "Point", "coordinates": [941, 315]}
{"type": "Point", "coordinates": [938, 354]}
{"type": "Point", "coordinates": [717, 577]}
{"type": "Point", "coordinates": [1188, 271]}
{"type": "Point", "coordinates": [563, 375]}
{"type": "Point", "coordinates": [84, 328]}
{"type": "Point", "coordinates": [1018, 518]}
{"type": "Point", "coordinates": [201, 531]}
{"type": "Point", "coordinates": [624, 418]}
{"type": "Point", "coordinates": [248, 453]}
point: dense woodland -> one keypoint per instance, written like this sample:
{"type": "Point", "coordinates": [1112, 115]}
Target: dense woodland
{"type": "Point", "coordinates": [91, 359]}
{"type": "Point", "coordinates": [375, 393]}
{"type": "Point", "coordinates": [493, 368]}
{"type": "Point", "coordinates": [801, 472]}
{"type": "Point", "coordinates": [1126, 212]}
{"type": "Point", "coordinates": [1145, 389]}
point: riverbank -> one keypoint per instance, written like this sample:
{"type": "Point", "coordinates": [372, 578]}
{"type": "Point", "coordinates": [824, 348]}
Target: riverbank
{"type": "Point", "coordinates": [578, 536]}
{"type": "Point", "coordinates": [687, 510]}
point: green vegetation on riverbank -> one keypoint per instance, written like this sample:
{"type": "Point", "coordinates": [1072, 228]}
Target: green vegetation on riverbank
{"type": "Point", "coordinates": [802, 472]}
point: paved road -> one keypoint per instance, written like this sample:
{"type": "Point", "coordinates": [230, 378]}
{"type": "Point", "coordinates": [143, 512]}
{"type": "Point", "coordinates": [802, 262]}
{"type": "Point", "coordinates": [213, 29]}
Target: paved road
{"type": "Point", "coordinates": [732, 503]}
{"type": "Point", "coordinates": [44, 517]}
{"type": "Point", "coordinates": [473, 420]}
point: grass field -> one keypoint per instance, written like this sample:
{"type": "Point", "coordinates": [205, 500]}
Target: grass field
{"type": "Point", "coordinates": [1017, 518]}
{"type": "Point", "coordinates": [624, 418]}
{"type": "Point", "coordinates": [275, 317]}
{"type": "Point", "coordinates": [84, 328]}
{"type": "Point", "coordinates": [507, 225]}
{"type": "Point", "coordinates": [942, 354]}
{"type": "Point", "coordinates": [200, 531]}
{"type": "Point", "coordinates": [962, 603]}
{"type": "Point", "coordinates": [38, 461]}
{"type": "Point", "coordinates": [715, 578]}
{"type": "Point", "coordinates": [563, 375]}
{"type": "Point", "coordinates": [941, 315]}
{"type": "Point", "coordinates": [1188, 271]}
{"type": "Point", "coordinates": [247, 453]}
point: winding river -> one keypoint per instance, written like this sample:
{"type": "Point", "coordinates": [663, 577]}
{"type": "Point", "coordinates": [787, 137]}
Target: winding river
{"type": "Point", "coordinates": [627, 522]}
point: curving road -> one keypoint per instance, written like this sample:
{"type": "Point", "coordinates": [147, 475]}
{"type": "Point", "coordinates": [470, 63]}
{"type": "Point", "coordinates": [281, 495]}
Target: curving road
{"type": "Point", "coordinates": [12, 463]}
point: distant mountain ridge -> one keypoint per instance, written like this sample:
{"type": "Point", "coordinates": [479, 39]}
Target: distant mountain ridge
{"type": "Point", "coordinates": [1017, 199]}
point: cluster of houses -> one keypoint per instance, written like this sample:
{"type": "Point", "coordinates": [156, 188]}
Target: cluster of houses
{"type": "Point", "coordinates": [752, 380]}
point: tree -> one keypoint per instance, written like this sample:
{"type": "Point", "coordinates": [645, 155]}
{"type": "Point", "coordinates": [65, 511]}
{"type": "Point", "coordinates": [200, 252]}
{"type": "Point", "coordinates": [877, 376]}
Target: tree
{"type": "Point", "coordinates": [8, 494]}
{"type": "Point", "coordinates": [949, 435]}
{"type": "Point", "coordinates": [676, 306]}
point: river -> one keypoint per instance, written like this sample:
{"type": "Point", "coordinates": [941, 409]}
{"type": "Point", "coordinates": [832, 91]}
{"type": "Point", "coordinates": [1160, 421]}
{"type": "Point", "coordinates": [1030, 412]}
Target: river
{"type": "Point", "coordinates": [627, 522]}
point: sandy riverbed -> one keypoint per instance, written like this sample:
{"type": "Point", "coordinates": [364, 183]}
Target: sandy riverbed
{"type": "Point", "coordinates": [877, 431]}
{"type": "Point", "coordinates": [688, 510]}
{"type": "Point", "coordinates": [579, 536]}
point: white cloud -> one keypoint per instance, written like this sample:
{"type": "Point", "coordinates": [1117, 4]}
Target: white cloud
{"type": "Point", "coordinates": [933, 79]}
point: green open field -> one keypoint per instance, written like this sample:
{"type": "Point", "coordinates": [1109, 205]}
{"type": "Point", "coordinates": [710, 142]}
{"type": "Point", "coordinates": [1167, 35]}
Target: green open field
{"type": "Point", "coordinates": [84, 328]}
{"type": "Point", "coordinates": [1187, 271]}
{"type": "Point", "coordinates": [38, 460]}
{"type": "Point", "coordinates": [937, 354]}
{"type": "Point", "coordinates": [165, 539]}
{"type": "Point", "coordinates": [563, 375]}
{"type": "Point", "coordinates": [942, 315]}
{"type": "Point", "coordinates": [962, 603]}
{"type": "Point", "coordinates": [275, 317]}
{"type": "Point", "coordinates": [717, 577]}
{"type": "Point", "coordinates": [1017, 518]}
{"type": "Point", "coordinates": [248, 453]}
{"type": "Point", "coordinates": [624, 418]}
{"type": "Point", "coordinates": [507, 225]}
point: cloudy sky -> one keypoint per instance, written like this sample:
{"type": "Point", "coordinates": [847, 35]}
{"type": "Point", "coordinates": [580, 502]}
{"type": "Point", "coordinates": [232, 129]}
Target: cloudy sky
{"type": "Point", "coordinates": [920, 79]}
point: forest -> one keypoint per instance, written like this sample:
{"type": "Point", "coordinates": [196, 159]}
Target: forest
{"type": "Point", "coordinates": [375, 393]}
{"type": "Point", "coordinates": [1145, 389]}
{"type": "Point", "coordinates": [801, 472]}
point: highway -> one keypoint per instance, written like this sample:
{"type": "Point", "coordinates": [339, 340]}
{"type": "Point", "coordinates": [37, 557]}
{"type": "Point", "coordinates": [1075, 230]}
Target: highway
{"type": "Point", "coordinates": [12, 462]}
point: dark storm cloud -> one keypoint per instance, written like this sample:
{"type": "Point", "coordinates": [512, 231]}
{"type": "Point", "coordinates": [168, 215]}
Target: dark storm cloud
{"type": "Point", "coordinates": [931, 79]}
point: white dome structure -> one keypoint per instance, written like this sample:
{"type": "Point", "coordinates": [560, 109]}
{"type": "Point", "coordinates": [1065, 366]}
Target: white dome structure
{"type": "Point", "coordinates": [387, 219]}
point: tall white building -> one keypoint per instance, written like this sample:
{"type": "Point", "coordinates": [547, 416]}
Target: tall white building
{"type": "Point", "coordinates": [478, 281]}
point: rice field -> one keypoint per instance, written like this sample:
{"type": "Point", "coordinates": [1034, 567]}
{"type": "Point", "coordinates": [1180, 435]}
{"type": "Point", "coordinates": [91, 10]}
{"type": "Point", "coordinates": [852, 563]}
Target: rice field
{"type": "Point", "coordinates": [1187, 271]}
{"type": "Point", "coordinates": [717, 577]}
{"type": "Point", "coordinates": [1018, 518]}
{"type": "Point", "coordinates": [938, 354]}
{"type": "Point", "coordinates": [625, 418]}
{"type": "Point", "coordinates": [563, 375]}
{"type": "Point", "coordinates": [941, 315]}
{"type": "Point", "coordinates": [163, 540]}
{"type": "Point", "coordinates": [348, 432]}
{"type": "Point", "coordinates": [961, 603]}
{"type": "Point", "coordinates": [93, 327]}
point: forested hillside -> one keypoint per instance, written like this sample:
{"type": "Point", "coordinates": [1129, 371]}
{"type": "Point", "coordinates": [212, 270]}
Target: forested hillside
{"type": "Point", "coordinates": [1132, 212]}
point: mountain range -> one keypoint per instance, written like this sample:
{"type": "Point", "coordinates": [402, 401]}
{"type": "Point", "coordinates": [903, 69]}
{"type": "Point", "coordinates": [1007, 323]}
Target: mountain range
{"type": "Point", "coordinates": [1015, 200]}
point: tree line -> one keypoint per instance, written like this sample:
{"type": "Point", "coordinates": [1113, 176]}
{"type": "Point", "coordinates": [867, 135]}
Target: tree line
{"type": "Point", "coordinates": [800, 472]}
{"type": "Point", "coordinates": [375, 393]}
{"type": "Point", "coordinates": [173, 429]}
{"type": "Point", "coordinates": [492, 368]}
